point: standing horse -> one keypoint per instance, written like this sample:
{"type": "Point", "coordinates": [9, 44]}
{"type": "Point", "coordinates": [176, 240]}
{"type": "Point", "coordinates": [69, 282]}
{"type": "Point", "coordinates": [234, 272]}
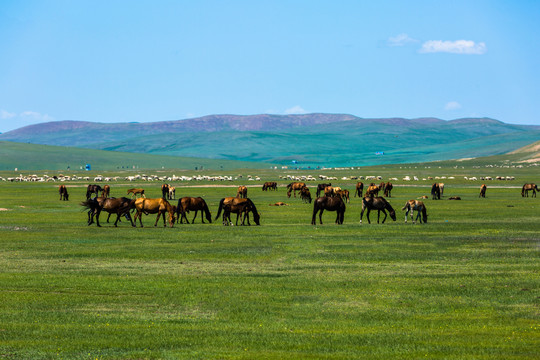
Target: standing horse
{"type": "Point", "coordinates": [379, 204]}
{"type": "Point", "coordinates": [165, 191]}
{"type": "Point", "coordinates": [93, 189]}
{"type": "Point", "coordinates": [135, 192]}
{"type": "Point", "coordinates": [321, 187]}
{"type": "Point", "coordinates": [120, 206]}
{"type": "Point", "coordinates": [388, 189]}
{"type": "Point", "coordinates": [62, 190]}
{"type": "Point", "coordinates": [372, 190]}
{"type": "Point", "coordinates": [187, 204]}
{"type": "Point", "coordinates": [106, 191]}
{"type": "Point", "coordinates": [483, 189]}
{"type": "Point", "coordinates": [242, 192]}
{"type": "Point", "coordinates": [359, 189]}
{"type": "Point", "coordinates": [331, 204]}
{"type": "Point", "coordinates": [435, 191]}
{"type": "Point", "coordinates": [269, 185]}
{"type": "Point", "coordinates": [239, 207]}
{"type": "Point", "coordinates": [419, 206]}
{"type": "Point", "coordinates": [172, 192]}
{"type": "Point", "coordinates": [305, 195]}
{"type": "Point", "coordinates": [528, 187]}
{"type": "Point", "coordinates": [294, 187]}
{"type": "Point", "coordinates": [152, 206]}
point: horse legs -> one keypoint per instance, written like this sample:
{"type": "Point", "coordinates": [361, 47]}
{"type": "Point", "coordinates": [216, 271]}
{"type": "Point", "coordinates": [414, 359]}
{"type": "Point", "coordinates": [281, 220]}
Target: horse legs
{"type": "Point", "coordinates": [320, 216]}
{"type": "Point", "coordinates": [385, 215]}
{"type": "Point", "coordinates": [97, 217]}
{"type": "Point", "coordinates": [314, 218]}
{"type": "Point", "coordinates": [193, 221]}
{"type": "Point", "coordinates": [139, 215]}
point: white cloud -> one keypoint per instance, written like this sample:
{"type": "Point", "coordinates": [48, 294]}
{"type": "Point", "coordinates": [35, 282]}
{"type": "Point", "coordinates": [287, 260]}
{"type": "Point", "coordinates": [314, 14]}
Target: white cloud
{"type": "Point", "coordinates": [452, 105]}
{"type": "Point", "coordinates": [401, 40]}
{"type": "Point", "coordinates": [454, 47]}
{"type": "Point", "coordinates": [295, 110]}
{"type": "Point", "coordinates": [6, 114]}
{"type": "Point", "coordinates": [35, 116]}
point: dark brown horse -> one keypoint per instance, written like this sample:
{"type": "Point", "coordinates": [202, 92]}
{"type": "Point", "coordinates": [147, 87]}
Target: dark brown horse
{"type": "Point", "coordinates": [269, 185]}
{"type": "Point", "coordinates": [106, 191]}
{"type": "Point", "coordinates": [529, 187]}
{"type": "Point", "coordinates": [419, 206]}
{"type": "Point", "coordinates": [136, 191]}
{"type": "Point", "coordinates": [187, 204]}
{"type": "Point", "coordinates": [153, 206]}
{"type": "Point", "coordinates": [241, 192]}
{"type": "Point", "coordinates": [93, 189]}
{"type": "Point", "coordinates": [359, 189]}
{"type": "Point", "coordinates": [62, 190]}
{"type": "Point", "coordinates": [305, 195]}
{"type": "Point", "coordinates": [239, 207]}
{"type": "Point", "coordinates": [294, 187]}
{"type": "Point", "coordinates": [331, 204]}
{"type": "Point", "coordinates": [483, 189]}
{"type": "Point", "coordinates": [388, 189]}
{"type": "Point", "coordinates": [165, 191]}
{"type": "Point", "coordinates": [379, 204]}
{"type": "Point", "coordinates": [321, 187]}
{"type": "Point", "coordinates": [435, 191]}
{"type": "Point", "coordinates": [120, 206]}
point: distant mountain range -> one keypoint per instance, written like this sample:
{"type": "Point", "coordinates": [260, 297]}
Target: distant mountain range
{"type": "Point", "coordinates": [308, 140]}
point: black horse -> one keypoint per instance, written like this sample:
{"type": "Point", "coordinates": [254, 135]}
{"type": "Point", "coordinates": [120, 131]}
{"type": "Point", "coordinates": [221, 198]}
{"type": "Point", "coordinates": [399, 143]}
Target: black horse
{"type": "Point", "coordinates": [331, 204]}
{"type": "Point", "coordinates": [93, 189]}
{"type": "Point", "coordinates": [379, 204]}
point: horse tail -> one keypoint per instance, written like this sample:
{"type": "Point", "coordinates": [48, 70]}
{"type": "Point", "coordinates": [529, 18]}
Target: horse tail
{"type": "Point", "coordinates": [220, 208]}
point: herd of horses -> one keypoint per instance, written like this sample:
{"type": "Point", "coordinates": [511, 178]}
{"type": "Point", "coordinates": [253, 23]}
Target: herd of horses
{"type": "Point", "coordinates": [329, 198]}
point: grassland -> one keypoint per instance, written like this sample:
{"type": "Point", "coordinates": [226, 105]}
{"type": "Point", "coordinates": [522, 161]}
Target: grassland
{"type": "Point", "coordinates": [463, 286]}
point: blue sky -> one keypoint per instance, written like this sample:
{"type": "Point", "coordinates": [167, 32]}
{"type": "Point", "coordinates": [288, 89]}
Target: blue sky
{"type": "Point", "coordinates": [118, 61]}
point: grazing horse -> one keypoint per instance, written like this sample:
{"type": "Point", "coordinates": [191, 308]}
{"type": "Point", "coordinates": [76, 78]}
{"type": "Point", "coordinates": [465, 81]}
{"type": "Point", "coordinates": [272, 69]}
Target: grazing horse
{"type": "Point", "coordinates": [359, 189]}
{"type": "Point", "coordinates": [239, 207]}
{"type": "Point", "coordinates": [441, 188]}
{"type": "Point", "coordinates": [269, 185]}
{"type": "Point", "coordinates": [372, 190]}
{"type": "Point", "coordinates": [305, 195]}
{"type": "Point", "coordinates": [528, 187]}
{"type": "Point", "coordinates": [435, 191]}
{"type": "Point", "coordinates": [321, 187]}
{"type": "Point", "coordinates": [93, 189]}
{"type": "Point", "coordinates": [388, 189]}
{"type": "Point", "coordinates": [242, 192]}
{"type": "Point", "coordinates": [379, 204]}
{"type": "Point", "coordinates": [136, 191]}
{"type": "Point", "coordinates": [62, 190]}
{"type": "Point", "coordinates": [172, 192]}
{"type": "Point", "coordinates": [152, 206]}
{"type": "Point", "coordinates": [120, 206]}
{"type": "Point", "coordinates": [419, 206]}
{"type": "Point", "coordinates": [165, 191]}
{"type": "Point", "coordinates": [294, 187]}
{"type": "Point", "coordinates": [106, 191]}
{"type": "Point", "coordinates": [382, 186]}
{"type": "Point", "coordinates": [344, 194]}
{"type": "Point", "coordinates": [187, 204]}
{"type": "Point", "coordinates": [331, 204]}
{"type": "Point", "coordinates": [483, 189]}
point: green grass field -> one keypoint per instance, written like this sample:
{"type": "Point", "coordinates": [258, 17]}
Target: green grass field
{"type": "Point", "coordinates": [463, 286]}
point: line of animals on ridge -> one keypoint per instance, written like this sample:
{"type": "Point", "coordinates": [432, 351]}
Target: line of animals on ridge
{"type": "Point", "coordinates": [333, 200]}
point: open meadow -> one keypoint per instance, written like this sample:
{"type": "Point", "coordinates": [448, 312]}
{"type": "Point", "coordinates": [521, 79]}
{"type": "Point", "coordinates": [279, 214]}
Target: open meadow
{"type": "Point", "coordinates": [463, 286]}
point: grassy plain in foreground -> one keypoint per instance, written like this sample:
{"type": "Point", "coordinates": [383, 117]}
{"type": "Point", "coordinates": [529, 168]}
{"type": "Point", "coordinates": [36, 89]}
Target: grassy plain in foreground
{"type": "Point", "coordinates": [465, 285]}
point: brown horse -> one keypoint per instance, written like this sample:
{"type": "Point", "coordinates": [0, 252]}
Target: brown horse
{"type": "Point", "coordinates": [388, 189]}
{"type": "Point", "coordinates": [294, 187]}
{"type": "Point", "coordinates": [152, 206]}
{"type": "Point", "coordinates": [62, 190]}
{"type": "Point", "coordinates": [305, 195]}
{"type": "Point", "coordinates": [344, 194]}
{"type": "Point", "coordinates": [359, 189]}
{"type": "Point", "coordinates": [120, 206]}
{"type": "Point", "coordinates": [136, 191]}
{"type": "Point", "coordinates": [528, 187]}
{"type": "Point", "coordinates": [331, 204]}
{"type": "Point", "coordinates": [187, 204]}
{"type": "Point", "coordinates": [93, 189]}
{"type": "Point", "coordinates": [435, 191]}
{"type": "Point", "coordinates": [106, 191]}
{"type": "Point", "coordinates": [483, 189]}
{"type": "Point", "coordinates": [372, 190]}
{"type": "Point", "coordinates": [242, 192]}
{"type": "Point", "coordinates": [419, 206]}
{"type": "Point", "coordinates": [329, 191]}
{"type": "Point", "coordinates": [321, 187]}
{"type": "Point", "coordinates": [238, 206]}
{"type": "Point", "coordinates": [379, 204]}
{"type": "Point", "coordinates": [269, 185]}
{"type": "Point", "coordinates": [165, 191]}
